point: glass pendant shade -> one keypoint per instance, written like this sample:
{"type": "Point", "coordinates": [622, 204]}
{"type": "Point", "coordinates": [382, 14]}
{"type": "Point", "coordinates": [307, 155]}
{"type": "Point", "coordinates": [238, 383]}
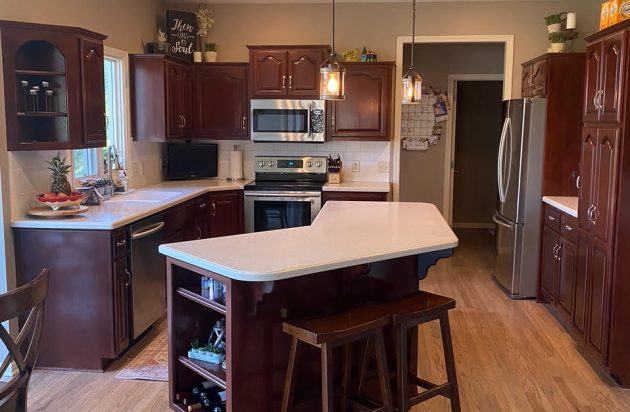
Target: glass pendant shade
{"type": "Point", "coordinates": [411, 87]}
{"type": "Point", "coordinates": [331, 80]}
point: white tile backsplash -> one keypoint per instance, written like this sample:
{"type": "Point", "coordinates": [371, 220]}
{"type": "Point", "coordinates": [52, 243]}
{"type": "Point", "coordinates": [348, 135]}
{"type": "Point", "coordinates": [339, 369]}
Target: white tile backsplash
{"type": "Point", "coordinates": [369, 153]}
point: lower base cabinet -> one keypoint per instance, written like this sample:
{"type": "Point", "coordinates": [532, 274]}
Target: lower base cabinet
{"type": "Point", "coordinates": [87, 322]}
{"type": "Point", "coordinates": [575, 281]}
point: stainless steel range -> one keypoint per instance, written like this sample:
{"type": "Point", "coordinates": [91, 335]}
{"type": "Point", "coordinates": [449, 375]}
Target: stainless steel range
{"type": "Point", "coordinates": [287, 192]}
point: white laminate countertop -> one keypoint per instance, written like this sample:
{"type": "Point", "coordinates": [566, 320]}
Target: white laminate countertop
{"type": "Point", "coordinates": [122, 210]}
{"type": "Point", "coordinates": [567, 204]}
{"type": "Point", "coordinates": [343, 234]}
{"type": "Point", "coordinates": [382, 187]}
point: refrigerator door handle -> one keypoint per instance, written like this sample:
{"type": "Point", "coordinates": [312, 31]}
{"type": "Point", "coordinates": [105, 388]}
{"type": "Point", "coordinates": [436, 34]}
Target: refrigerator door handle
{"type": "Point", "coordinates": [504, 131]}
{"type": "Point", "coordinates": [500, 222]}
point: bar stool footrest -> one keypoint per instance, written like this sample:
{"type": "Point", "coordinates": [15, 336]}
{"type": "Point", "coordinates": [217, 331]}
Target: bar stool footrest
{"type": "Point", "coordinates": [364, 404]}
{"type": "Point", "coordinates": [439, 390]}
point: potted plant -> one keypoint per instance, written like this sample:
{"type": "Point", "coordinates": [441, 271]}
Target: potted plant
{"type": "Point", "coordinates": [554, 23]}
{"type": "Point", "coordinates": [204, 23]}
{"type": "Point", "coordinates": [557, 42]}
{"type": "Point", "coordinates": [215, 354]}
{"type": "Point", "coordinates": [210, 52]}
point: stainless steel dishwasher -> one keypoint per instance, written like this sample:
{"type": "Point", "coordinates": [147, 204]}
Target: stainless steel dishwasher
{"type": "Point", "coordinates": [148, 274]}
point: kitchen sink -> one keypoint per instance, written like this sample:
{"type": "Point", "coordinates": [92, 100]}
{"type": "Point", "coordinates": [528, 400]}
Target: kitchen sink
{"type": "Point", "coordinates": [145, 196]}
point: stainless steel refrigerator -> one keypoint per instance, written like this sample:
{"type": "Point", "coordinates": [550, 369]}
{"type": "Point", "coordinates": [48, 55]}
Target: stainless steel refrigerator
{"type": "Point", "coordinates": [519, 181]}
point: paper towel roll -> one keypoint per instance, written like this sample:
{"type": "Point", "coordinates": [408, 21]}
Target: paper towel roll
{"type": "Point", "coordinates": [236, 165]}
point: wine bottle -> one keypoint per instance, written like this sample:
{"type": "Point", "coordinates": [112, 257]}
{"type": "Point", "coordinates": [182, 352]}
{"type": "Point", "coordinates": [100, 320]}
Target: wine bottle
{"type": "Point", "coordinates": [183, 397]}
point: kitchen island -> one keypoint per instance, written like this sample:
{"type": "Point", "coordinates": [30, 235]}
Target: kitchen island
{"type": "Point", "coordinates": [354, 253]}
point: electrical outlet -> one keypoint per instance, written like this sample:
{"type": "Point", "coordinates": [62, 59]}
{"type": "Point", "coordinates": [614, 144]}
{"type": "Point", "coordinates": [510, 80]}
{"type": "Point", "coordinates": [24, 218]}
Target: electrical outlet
{"type": "Point", "coordinates": [356, 166]}
{"type": "Point", "coordinates": [383, 166]}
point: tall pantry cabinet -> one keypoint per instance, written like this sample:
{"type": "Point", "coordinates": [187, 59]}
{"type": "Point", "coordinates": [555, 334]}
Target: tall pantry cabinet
{"type": "Point", "coordinates": [604, 199]}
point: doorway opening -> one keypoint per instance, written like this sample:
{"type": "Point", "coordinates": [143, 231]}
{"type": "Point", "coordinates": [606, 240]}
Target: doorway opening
{"type": "Point", "coordinates": [473, 132]}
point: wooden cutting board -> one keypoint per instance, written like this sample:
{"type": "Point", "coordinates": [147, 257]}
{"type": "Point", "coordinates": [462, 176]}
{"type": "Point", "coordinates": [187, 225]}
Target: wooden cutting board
{"type": "Point", "coordinates": [45, 211]}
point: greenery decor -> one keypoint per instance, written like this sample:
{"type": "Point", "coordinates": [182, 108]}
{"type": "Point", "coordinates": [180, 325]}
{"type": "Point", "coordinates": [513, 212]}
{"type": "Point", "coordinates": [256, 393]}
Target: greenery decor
{"type": "Point", "coordinates": [210, 47]}
{"type": "Point", "coordinates": [553, 19]}
{"type": "Point", "coordinates": [558, 37]}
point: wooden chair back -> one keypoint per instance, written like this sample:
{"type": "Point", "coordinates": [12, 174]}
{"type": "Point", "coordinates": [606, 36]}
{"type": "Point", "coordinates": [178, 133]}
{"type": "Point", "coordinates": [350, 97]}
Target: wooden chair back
{"type": "Point", "coordinates": [26, 302]}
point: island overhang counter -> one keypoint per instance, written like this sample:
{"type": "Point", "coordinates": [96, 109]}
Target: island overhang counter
{"type": "Point", "coordinates": [354, 253]}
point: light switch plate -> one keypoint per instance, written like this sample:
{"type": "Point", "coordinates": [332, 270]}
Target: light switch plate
{"type": "Point", "coordinates": [356, 165]}
{"type": "Point", "coordinates": [383, 166]}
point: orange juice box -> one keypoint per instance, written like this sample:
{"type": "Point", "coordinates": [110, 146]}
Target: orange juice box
{"type": "Point", "coordinates": [624, 10]}
{"type": "Point", "coordinates": [603, 17]}
{"type": "Point", "coordinates": [613, 12]}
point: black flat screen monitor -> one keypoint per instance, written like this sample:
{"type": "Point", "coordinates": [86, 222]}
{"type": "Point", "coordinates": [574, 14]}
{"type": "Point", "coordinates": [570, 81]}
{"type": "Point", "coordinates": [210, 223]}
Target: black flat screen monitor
{"type": "Point", "coordinates": [191, 161]}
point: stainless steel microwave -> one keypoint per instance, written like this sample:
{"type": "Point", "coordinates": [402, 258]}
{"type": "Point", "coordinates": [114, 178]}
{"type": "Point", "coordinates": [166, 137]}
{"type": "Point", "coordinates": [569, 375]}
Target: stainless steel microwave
{"type": "Point", "coordinates": [288, 120]}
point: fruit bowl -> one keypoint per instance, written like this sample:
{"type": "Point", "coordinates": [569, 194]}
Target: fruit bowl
{"type": "Point", "coordinates": [57, 201]}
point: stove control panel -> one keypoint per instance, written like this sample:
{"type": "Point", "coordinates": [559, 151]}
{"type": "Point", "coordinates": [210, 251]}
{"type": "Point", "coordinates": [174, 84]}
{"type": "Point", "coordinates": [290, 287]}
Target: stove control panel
{"type": "Point", "coordinates": [290, 164]}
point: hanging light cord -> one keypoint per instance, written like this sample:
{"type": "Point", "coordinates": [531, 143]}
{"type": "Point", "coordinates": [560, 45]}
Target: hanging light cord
{"type": "Point", "coordinates": [413, 32]}
{"type": "Point", "coordinates": [333, 27]}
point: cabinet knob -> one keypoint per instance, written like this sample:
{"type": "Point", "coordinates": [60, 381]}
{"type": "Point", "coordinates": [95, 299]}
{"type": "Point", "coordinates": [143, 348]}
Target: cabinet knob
{"type": "Point", "coordinates": [203, 205]}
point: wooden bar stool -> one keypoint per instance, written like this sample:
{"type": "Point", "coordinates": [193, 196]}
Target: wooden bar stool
{"type": "Point", "coordinates": [411, 312]}
{"type": "Point", "coordinates": [329, 332]}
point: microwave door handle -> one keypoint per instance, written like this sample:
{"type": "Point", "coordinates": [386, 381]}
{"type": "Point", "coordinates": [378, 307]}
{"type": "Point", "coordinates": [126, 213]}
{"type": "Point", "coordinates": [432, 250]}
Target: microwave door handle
{"type": "Point", "coordinates": [308, 121]}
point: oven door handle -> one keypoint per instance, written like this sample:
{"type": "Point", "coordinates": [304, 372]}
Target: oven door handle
{"type": "Point", "coordinates": [281, 195]}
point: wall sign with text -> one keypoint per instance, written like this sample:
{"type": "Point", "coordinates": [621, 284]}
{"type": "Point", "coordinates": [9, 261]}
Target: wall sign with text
{"type": "Point", "coordinates": [182, 32]}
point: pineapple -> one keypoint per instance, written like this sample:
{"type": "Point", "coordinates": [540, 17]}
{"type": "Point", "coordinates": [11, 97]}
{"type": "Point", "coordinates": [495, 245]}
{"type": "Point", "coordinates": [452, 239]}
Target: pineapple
{"type": "Point", "coordinates": [59, 177]}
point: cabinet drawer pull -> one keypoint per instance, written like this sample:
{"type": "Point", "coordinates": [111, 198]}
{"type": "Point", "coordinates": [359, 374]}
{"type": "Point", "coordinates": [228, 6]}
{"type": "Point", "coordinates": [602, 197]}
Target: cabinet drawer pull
{"type": "Point", "coordinates": [214, 209]}
{"type": "Point", "coordinates": [568, 228]}
{"type": "Point", "coordinates": [284, 82]}
{"type": "Point", "coordinates": [121, 243]}
{"type": "Point", "coordinates": [290, 82]}
{"type": "Point", "coordinates": [203, 205]}
{"type": "Point", "coordinates": [244, 123]}
{"type": "Point", "coordinates": [184, 118]}
{"type": "Point", "coordinates": [551, 218]}
{"type": "Point", "coordinates": [128, 282]}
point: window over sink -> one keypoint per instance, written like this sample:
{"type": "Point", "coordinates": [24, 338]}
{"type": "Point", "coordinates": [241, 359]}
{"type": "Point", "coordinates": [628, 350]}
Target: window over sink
{"type": "Point", "coordinates": [90, 162]}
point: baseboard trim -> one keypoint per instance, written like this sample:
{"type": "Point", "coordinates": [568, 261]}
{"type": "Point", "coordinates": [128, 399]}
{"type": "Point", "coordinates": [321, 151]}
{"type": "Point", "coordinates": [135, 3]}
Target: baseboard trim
{"type": "Point", "coordinates": [464, 225]}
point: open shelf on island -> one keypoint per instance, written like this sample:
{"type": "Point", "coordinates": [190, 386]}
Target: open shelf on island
{"type": "Point", "coordinates": [39, 73]}
{"type": "Point", "coordinates": [209, 371]}
{"type": "Point", "coordinates": [42, 114]}
{"type": "Point", "coordinates": [194, 294]}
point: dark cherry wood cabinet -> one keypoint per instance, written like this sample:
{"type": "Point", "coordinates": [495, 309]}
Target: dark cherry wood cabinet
{"type": "Point", "coordinates": [86, 322]}
{"type": "Point", "coordinates": [605, 66]}
{"type": "Point", "coordinates": [366, 111]}
{"type": "Point", "coordinates": [354, 196]}
{"type": "Point", "coordinates": [567, 255]}
{"type": "Point", "coordinates": [171, 99]}
{"type": "Point", "coordinates": [286, 71]}
{"type": "Point", "coordinates": [226, 213]}
{"type": "Point", "coordinates": [63, 67]}
{"type": "Point", "coordinates": [549, 265]}
{"type": "Point", "coordinates": [535, 77]}
{"type": "Point", "coordinates": [221, 101]}
{"type": "Point", "coordinates": [558, 77]}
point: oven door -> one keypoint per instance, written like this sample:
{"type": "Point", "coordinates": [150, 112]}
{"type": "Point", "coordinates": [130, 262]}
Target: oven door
{"type": "Point", "coordinates": [280, 210]}
{"type": "Point", "coordinates": [287, 120]}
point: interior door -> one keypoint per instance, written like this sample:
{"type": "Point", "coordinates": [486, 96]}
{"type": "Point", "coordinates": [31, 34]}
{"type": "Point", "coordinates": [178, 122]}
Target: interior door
{"type": "Point", "coordinates": [477, 134]}
{"type": "Point", "coordinates": [593, 70]}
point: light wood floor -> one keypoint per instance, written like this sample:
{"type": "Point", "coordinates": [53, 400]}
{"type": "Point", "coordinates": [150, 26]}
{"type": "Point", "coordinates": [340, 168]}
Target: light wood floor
{"type": "Point", "coordinates": [511, 355]}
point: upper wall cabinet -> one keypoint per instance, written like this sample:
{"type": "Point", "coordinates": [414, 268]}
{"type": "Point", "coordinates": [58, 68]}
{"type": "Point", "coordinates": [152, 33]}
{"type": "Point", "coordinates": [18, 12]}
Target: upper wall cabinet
{"type": "Point", "coordinates": [366, 111]}
{"type": "Point", "coordinates": [53, 87]}
{"type": "Point", "coordinates": [177, 100]}
{"type": "Point", "coordinates": [286, 71]}
{"type": "Point", "coordinates": [221, 101]}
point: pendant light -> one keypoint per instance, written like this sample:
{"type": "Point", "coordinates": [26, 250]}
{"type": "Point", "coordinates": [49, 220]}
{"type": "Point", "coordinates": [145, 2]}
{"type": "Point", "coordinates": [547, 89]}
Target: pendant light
{"type": "Point", "coordinates": [331, 74]}
{"type": "Point", "coordinates": [411, 81]}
